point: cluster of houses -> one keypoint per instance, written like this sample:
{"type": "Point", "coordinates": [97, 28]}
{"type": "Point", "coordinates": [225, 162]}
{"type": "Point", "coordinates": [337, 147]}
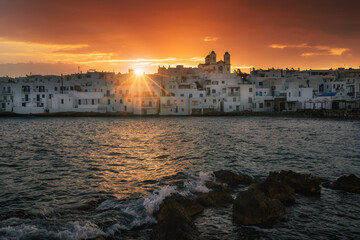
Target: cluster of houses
{"type": "Point", "coordinates": [209, 88]}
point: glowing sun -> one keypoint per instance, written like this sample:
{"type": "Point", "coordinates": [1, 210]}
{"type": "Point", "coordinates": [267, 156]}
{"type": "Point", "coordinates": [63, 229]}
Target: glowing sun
{"type": "Point", "coordinates": [138, 72]}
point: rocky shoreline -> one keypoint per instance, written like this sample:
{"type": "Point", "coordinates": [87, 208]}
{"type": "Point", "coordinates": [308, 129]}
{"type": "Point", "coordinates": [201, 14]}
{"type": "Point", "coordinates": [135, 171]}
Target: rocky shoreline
{"type": "Point", "coordinates": [262, 203]}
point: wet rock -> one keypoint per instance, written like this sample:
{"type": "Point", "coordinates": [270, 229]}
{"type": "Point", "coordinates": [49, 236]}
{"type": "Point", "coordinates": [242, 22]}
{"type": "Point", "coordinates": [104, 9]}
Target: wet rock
{"type": "Point", "coordinates": [174, 225]}
{"type": "Point", "coordinates": [349, 183]}
{"type": "Point", "coordinates": [216, 187]}
{"type": "Point", "coordinates": [185, 205]}
{"type": "Point", "coordinates": [231, 178]}
{"type": "Point", "coordinates": [301, 183]}
{"type": "Point", "coordinates": [175, 218]}
{"type": "Point", "coordinates": [254, 208]}
{"type": "Point", "coordinates": [276, 190]}
{"type": "Point", "coordinates": [215, 198]}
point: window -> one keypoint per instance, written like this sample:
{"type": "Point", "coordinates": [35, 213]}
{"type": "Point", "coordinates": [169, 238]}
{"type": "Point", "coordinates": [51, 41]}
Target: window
{"type": "Point", "coordinates": [289, 94]}
{"type": "Point", "coordinates": [120, 101]}
{"type": "Point", "coordinates": [108, 101]}
{"type": "Point", "coordinates": [260, 83]}
{"type": "Point", "coordinates": [181, 95]}
{"type": "Point", "coordinates": [93, 101]}
{"type": "Point", "coordinates": [79, 101]}
{"type": "Point", "coordinates": [62, 101]}
{"type": "Point", "coordinates": [299, 93]}
{"type": "Point", "coordinates": [129, 100]}
{"type": "Point", "coordinates": [250, 100]}
{"type": "Point", "coordinates": [190, 95]}
{"type": "Point", "coordinates": [201, 95]}
{"type": "Point", "coordinates": [182, 101]}
{"type": "Point", "coordinates": [268, 104]}
{"type": "Point", "coordinates": [213, 90]}
{"type": "Point", "coordinates": [234, 99]}
{"type": "Point", "coordinates": [222, 81]}
{"type": "Point", "coordinates": [168, 102]}
{"type": "Point", "coordinates": [125, 108]}
{"type": "Point", "coordinates": [195, 103]}
{"type": "Point", "coordinates": [250, 89]}
{"type": "Point", "coordinates": [230, 107]}
{"type": "Point", "coordinates": [261, 105]}
{"type": "Point", "coordinates": [214, 100]}
{"type": "Point", "coordinates": [256, 93]}
{"type": "Point", "coordinates": [175, 101]}
{"type": "Point", "coordinates": [55, 88]}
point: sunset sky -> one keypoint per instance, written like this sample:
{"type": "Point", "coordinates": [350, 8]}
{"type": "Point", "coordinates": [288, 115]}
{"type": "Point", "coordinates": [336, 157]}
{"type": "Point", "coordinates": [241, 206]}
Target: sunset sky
{"type": "Point", "coordinates": [53, 37]}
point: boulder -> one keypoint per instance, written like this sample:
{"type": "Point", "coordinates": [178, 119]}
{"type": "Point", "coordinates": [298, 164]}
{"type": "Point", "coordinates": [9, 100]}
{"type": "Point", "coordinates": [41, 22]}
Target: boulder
{"type": "Point", "coordinates": [186, 206]}
{"type": "Point", "coordinates": [215, 198]}
{"type": "Point", "coordinates": [174, 225]}
{"type": "Point", "coordinates": [301, 183]}
{"type": "Point", "coordinates": [254, 208]}
{"type": "Point", "coordinates": [276, 190]}
{"type": "Point", "coordinates": [216, 187]}
{"type": "Point", "coordinates": [175, 218]}
{"type": "Point", "coordinates": [349, 183]}
{"type": "Point", "coordinates": [232, 179]}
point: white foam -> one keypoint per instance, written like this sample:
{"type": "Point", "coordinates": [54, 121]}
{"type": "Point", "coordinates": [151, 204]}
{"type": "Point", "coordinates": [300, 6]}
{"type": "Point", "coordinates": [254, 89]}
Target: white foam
{"type": "Point", "coordinates": [114, 229]}
{"type": "Point", "coordinates": [153, 201]}
{"type": "Point", "coordinates": [198, 185]}
{"type": "Point", "coordinates": [74, 230]}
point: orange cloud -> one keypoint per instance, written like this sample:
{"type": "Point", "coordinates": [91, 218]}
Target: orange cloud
{"type": "Point", "coordinates": [319, 50]}
{"type": "Point", "coordinates": [210, 39]}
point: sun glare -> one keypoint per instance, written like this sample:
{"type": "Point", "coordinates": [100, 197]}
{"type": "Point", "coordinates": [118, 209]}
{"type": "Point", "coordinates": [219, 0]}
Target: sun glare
{"type": "Point", "coordinates": [138, 72]}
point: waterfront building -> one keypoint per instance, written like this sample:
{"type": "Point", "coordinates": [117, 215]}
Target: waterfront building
{"type": "Point", "coordinates": [207, 89]}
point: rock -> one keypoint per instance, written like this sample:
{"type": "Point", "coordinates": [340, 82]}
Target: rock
{"type": "Point", "coordinates": [174, 225]}
{"type": "Point", "coordinates": [216, 187]}
{"type": "Point", "coordinates": [231, 178]}
{"type": "Point", "coordinates": [175, 218]}
{"type": "Point", "coordinates": [276, 190]}
{"type": "Point", "coordinates": [186, 206]}
{"type": "Point", "coordinates": [301, 183]}
{"type": "Point", "coordinates": [215, 198]}
{"type": "Point", "coordinates": [254, 208]}
{"type": "Point", "coordinates": [349, 183]}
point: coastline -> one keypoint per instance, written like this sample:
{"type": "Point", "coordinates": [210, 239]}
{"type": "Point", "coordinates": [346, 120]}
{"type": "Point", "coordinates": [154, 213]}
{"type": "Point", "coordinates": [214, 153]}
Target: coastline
{"type": "Point", "coordinates": [351, 114]}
